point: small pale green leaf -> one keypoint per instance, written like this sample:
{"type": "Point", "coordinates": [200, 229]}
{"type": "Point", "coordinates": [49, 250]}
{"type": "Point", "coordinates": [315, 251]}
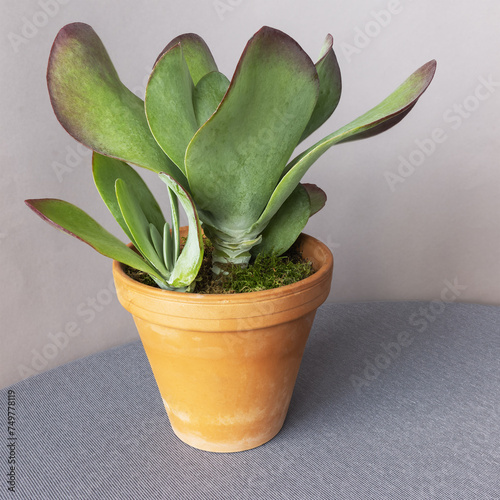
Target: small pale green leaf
{"type": "Point", "coordinates": [169, 105]}
{"type": "Point", "coordinates": [188, 264]}
{"type": "Point", "coordinates": [382, 117]}
{"type": "Point", "coordinates": [236, 158]}
{"type": "Point", "coordinates": [176, 238]}
{"type": "Point", "coordinates": [286, 225]}
{"type": "Point", "coordinates": [208, 94]}
{"type": "Point", "coordinates": [197, 54]}
{"type": "Point", "coordinates": [167, 247]}
{"type": "Point", "coordinates": [157, 240]}
{"type": "Point", "coordinates": [106, 171]}
{"type": "Point", "coordinates": [138, 225]}
{"type": "Point", "coordinates": [95, 107]}
{"type": "Point", "coordinates": [74, 221]}
{"type": "Point", "coordinates": [330, 87]}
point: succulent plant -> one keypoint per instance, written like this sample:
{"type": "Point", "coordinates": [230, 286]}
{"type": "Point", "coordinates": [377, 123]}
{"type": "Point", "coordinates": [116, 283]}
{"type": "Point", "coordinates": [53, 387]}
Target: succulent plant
{"type": "Point", "coordinates": [227, 143]}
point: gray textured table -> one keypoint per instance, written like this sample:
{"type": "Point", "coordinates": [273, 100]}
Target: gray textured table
{"type": "Point", "coordinates": [393, 401]}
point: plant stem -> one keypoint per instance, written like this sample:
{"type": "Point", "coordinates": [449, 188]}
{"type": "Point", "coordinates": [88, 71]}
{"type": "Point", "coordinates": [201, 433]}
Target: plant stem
{"type": "Point", "coordinates": [229, 250]}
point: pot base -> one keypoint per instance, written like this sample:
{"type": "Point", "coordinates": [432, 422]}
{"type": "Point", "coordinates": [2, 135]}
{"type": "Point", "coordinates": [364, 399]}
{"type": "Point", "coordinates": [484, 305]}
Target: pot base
{"type": "Point", "coordinates": [200, 443]}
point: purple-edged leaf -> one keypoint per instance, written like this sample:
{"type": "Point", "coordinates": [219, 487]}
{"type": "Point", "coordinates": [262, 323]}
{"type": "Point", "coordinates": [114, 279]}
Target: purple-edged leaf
{"type": "Point", "coordinates": [286, 225]}
{"type": "Point", "coordinates": [389, 112]}
{"type": "Point", "coordinates": [94, 106]}
{"type": "Point", "coordinates": [330, 87]}
{"type": "Point", "coordinates": [197, 54]}
{"type": "Point", "coordinates": [74, 221]}
{"type": "Point", "coordinates": [169, 105]}
{"type": "Point", "coordinates": [317, 197]}
{"type": "Point", "coordinates": [106, 171]}
{"type": "Point", "coordinates": [236, 158]}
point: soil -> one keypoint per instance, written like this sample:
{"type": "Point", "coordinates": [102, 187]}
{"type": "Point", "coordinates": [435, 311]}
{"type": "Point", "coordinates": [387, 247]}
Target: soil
{"type": "Point", "coordinates": [264, 273]}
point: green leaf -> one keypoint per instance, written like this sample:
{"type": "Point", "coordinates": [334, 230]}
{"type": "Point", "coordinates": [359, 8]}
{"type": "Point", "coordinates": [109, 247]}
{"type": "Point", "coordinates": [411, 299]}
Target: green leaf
{"type": "Point", "coordinates": [106, 171]}
{"type": "Point", "coordinates": [188, 264]}
{"type": "Point", "coordinates": [236, 158]}
{"type": "Point", "coordinates": [330, 88]}
{"type": "Point", "coordinates": [138, 225]}
{"type": "Point", "coordinates": [168, 256]}
{"type": "Point", "coordinates": [169, 105]}
{"type": "Point", "coordinates": [196, 53]}
{"type": "Point", "coordinates": [95, 107]}
{"type": "Point", "coordinates": [382, 117]}
{"type": "Point", "coordinates": [174, 210]}
{"type": "Point", "coordinates": [286, 225]}
{"type": "Point", "coordinates": [208, 94]}
{"type": "Point", "coordinates": [390, 111]}
{"type": "Point", "coordinates": [317, 197]}
{"type": "Point", "coordinates": [157, 241]}
{"type": "Point", "coordinates": [74, 221]}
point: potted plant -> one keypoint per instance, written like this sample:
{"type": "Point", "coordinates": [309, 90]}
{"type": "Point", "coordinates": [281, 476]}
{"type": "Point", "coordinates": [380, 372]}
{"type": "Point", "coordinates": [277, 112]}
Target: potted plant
{"type": "Point", "coordinates": [225, 364]}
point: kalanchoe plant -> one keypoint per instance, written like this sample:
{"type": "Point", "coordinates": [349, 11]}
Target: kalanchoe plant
{"type": "Point", "coordinates": [136, 210]}
{"type": "Point", "coordinates": [228, 143]}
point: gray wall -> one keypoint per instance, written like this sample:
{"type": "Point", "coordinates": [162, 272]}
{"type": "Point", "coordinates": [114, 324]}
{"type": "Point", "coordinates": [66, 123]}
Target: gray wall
{"type": "Point", "coordinates": [397, 232]}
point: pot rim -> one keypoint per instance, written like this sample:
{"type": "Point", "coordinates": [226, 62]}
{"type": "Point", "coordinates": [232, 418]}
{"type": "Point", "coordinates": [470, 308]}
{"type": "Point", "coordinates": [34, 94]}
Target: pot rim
{"type": "Point", "coordinates": [322, 273]}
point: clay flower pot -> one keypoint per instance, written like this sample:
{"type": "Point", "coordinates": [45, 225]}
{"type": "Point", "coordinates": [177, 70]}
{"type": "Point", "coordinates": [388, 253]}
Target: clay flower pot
{"type": "Point", "coordinates": [226, 365]}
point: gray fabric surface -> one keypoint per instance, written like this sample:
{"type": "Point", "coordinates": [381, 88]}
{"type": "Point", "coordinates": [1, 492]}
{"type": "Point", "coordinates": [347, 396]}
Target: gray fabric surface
{"type": "Point", "coordinates": [388, 405]}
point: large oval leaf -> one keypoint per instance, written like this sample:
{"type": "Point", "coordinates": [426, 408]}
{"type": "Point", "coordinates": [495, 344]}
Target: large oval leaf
{"type": "Point", "coordinates": [196, 53]}
{"type": "Point", "coordinates": [236, 158]}
{"type": "Point", "coordinates": [169, 105]}
{"type": "Point", "coordinates": [94, 106]}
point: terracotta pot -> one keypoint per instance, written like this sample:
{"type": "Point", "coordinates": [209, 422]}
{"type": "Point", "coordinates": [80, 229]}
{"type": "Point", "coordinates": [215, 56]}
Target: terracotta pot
{"type": "Point", "coordinates": [226, 365]}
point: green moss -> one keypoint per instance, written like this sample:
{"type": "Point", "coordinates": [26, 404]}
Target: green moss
{"type": "Point", "coordinates": [139, 276]}
{"type": "Point", "coordinates": [264, 273]}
